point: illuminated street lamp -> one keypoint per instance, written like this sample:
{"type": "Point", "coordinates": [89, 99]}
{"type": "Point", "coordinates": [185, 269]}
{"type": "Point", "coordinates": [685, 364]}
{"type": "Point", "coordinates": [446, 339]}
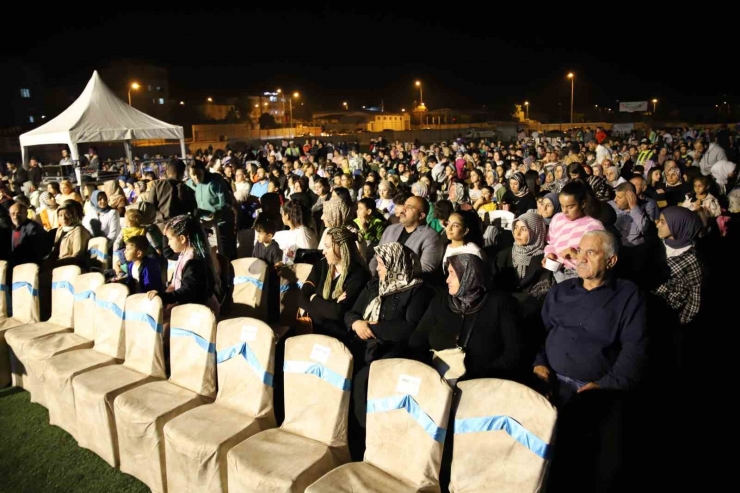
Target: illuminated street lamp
{"type": "Point", "coordinates": [135, 86]}
{"type": "Point", "coordinates": [210, 100]}
{"type": "Point", "coordinates": [345, 105]}
{"type": "Point", "coordinates": [526, 105]}
{"type": "Point", "coordinates": [655, 103]}
{"type": "Point", "coordinates": [182, 103]}
{"type": "Point", "coordinates": [296, 96]}
{"type": "Point", "coordinates": [421, 93]}
{"type": "Point", "coordinates": [572, 78]}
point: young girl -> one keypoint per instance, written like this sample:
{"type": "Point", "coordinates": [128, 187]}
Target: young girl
{"type": "Point", "coordinates": [700, 198]}
{"type": "Point", "coordinates": [133, 228]}
{"type": "Point", "coordinates": [464, 232]}
{"type": "Point", "coordinates": [195, 279]}
{"type": "Point", "coordinates": [102, 220]}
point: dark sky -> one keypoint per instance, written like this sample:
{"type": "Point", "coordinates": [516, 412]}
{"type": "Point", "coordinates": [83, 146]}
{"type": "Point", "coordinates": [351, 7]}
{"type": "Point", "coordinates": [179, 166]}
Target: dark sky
{"type": "Point", "coordinates": [465, 58]}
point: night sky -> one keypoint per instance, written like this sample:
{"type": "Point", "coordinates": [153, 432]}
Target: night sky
{"type": "Point", "coordinates": [466, 58]}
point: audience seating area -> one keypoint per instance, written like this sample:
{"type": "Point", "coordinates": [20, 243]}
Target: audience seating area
{"type": "Point", "coordinates": [188, 406]}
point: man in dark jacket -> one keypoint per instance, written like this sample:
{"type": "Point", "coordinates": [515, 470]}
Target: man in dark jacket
{"type": "Point", "coordinates": [171, 197]}
{"type": "Point", "coordinates": [29, 241]}
{"type": "Point", "coordinates": [17, 177]}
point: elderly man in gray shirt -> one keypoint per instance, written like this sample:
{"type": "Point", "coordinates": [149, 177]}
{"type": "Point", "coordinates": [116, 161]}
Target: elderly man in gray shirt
{"type": "Point", "coordinates": [413, 232]}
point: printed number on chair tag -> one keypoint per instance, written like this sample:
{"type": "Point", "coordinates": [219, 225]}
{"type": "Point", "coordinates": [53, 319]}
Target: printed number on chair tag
{"type": "Point", "coordinates": [249, 333]}
{"type": "Point", "coordinates": [320, 353]}
{"type": "Point", "coordinates": [408, 385]}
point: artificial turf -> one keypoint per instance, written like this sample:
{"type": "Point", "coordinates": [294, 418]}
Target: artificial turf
{"type": "Point", "coordinates": [36, 457]}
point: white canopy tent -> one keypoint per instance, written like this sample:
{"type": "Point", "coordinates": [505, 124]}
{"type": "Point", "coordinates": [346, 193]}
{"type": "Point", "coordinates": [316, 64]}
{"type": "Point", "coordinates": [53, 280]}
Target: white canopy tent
{"type": "Point", "coordinates": [98, 115]}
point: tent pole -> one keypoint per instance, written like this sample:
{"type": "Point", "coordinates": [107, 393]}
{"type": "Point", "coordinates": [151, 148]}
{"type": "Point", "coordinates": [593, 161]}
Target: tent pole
{"type": "Point", "coordinates": [182, 149]}
{"type": "Point", "coordinates": [129, 155]}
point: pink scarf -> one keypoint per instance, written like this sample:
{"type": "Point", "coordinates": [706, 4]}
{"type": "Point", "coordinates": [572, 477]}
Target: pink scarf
{"type": "Point", "coordinates": [183, 259]}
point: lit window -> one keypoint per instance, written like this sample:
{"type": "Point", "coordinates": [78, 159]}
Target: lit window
{"type": "Point", "coordinates": [30, 119]}
{"type": "Point", "coordinates": [25, 93]}
{"type": "Point", "coordinates": [161, 100]}
{"type": "Point", "coordinates": [273, 98]}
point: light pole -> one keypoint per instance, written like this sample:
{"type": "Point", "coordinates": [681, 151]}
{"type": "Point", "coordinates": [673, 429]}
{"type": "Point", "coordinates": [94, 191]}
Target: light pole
{"type": "Point", "coordinates": [572, 78]}
{"type": "Point", "coordinates": [279, 91]}
{"type": "Point", "coordinates": [133, 86]}
{"type": "Point", "coordinates": [421, 93]}
{"type": "Point", "coordinates": [655, 103]}
{"type": "Point", "coordinates": [526, 105]}
{"type": "Point", "coordinates": [345, 105]}
{"type": "Point", "coordinates": [210, 100]}
{"type": "Point", "coordinates": [295, 95]}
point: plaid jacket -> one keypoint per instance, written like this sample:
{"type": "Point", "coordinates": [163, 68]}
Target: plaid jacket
{"type": "Point", "coordinates": [682, 291]}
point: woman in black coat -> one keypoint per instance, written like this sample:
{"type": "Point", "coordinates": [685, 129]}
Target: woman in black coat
{"type": "Point", "coordinates": [334, 284]}
{"type": "Point", "coordinates": [487, 320]}
{"type": "Point", "coordinates": [385, 314]}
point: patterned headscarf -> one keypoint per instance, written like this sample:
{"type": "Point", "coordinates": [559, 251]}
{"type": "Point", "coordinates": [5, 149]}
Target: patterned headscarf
{"type": "Point", "coordinates": [403, 271]}
{"type": "Point", "coordinates": [519, 177]}
{"type": "Point", "coordinates": [335, 213]}
{"type": "Point", "coordinates": [461, 195]}
{"type": "Point", "coordinates": [420, 189]}
{"type": "Point", "coordinates": [601, 188]}
{"type": "Point", "coordinates": [471, 295]}
{"type": "Point", "coordinates": [521, 255]}
{"type": "Point", "coordinates": [557, 185]}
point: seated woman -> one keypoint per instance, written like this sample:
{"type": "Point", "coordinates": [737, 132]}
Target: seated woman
{"type": "Point", "coordinates": [70, 242]}
{"type": "Point", "coordinates": [195, 279]}
{"type": "Point", "coordinates": [518, 269]}
{"type": "Point", "coordinates": [334, 284]}
{"type": "Point", "coordinates": [484, 323]}
{"type": "Point", "coordinates": [681, 287]}
{"type": "Point", "coordinates": [116, 198]}
{"type": "Point", "coordinates": [299, 235]}
{"type": "Point", "coordinates": [518, 197]}
{"type": "Point", "coordinates": [67, 192]}
{"type": "Point", "coordinates": [385, 314]}
{"type": "Point", "coordinates": [102, 220]}
{"type": "Point", "coordinates": [547, 206]}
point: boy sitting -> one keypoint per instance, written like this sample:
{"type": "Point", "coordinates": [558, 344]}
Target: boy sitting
{"type": "Point", "coordinates": [144, 272]}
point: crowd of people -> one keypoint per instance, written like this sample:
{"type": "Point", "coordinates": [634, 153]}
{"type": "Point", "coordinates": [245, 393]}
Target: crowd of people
{"type": "Point", "coordinates": [600, 280]}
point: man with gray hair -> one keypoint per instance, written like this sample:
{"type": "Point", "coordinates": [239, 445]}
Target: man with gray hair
{"type": "Point", "coordinates": [596, 326]}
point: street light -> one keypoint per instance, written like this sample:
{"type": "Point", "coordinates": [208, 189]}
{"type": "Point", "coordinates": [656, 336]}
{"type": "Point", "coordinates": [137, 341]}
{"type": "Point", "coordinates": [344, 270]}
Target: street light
{"type": "Point", "coordinates": [345, 105]}
{"type": "Point", "coordinates": [295, 95]}
{"type": "Point", "coordinates": [182, 103]}
{"type": "Point", "coordinates": [403, 110]}
{"type": "Point", "coordinates": [210, 100]}
{"type": "Point", "coordinates": [572, 78]}
{"type": "Point", "coordinates": [421, 93]}
{"type": "Point", "coordinates": [526, 105]}
{"type": "Point", "coordinates": [133, 86]}
{"type": "Point", "coordinates": [655, 103]}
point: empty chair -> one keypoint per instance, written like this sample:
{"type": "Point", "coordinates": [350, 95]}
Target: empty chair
{"type": "Point", "coordinates": [503, 432]}
{"type": "Point", "coordinates": [250, 297]}
{"type": "Point", "coordinates": [98, 249]}
{"type": "Point", "coordinates": [96, 390]}
{"type": "Point", "coordinates": [39, 350]}
{"type": "Point", "coordinates": [313, 438]}
{"type": "Point", "coordinates": [142, 413]}
{"type": "Point", "coordinates": [61, 320]}
{"type": "Point", "coordinates": [408, 406]}
{"type": "Point", "coordinates": [195, 449]}
{"type": "Point", "coordinates": [25, 302]}
{"type": "Point", "coordinates": [292, 278]}
{"type": "Point", "coordinates": [59, 371]}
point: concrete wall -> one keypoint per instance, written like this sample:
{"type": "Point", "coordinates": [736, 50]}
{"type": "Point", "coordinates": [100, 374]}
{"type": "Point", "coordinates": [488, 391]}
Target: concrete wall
{"type": "Point", "coordinates": [244, 132]}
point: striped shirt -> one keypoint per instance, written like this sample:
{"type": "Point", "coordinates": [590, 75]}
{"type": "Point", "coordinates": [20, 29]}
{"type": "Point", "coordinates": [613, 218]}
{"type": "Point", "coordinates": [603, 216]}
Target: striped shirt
{"type": "Point", "coordinates": [565, 234]}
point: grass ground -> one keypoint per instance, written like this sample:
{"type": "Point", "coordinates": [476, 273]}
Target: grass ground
{"type": "Point", "coordinates": [36, 457]}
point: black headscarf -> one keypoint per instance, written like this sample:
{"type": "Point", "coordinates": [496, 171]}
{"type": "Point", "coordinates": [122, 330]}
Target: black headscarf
{"type": "Point", "coordinates": [471, 272]}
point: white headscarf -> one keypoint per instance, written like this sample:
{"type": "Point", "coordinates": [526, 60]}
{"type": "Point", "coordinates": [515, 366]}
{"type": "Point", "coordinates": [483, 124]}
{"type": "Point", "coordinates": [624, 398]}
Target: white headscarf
{"type": "Point", "coordinates": [721, 172]}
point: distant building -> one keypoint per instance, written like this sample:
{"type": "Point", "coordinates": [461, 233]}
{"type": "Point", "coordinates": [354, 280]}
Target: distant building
{"type": "Point", "coordinates": [371, 121]}
{"type": "Point", "coordinates": [153, 95]}
{"type": "Point", "coordinates": [22, 94]}
{"type": "Point", "coordinates": [272, 103]}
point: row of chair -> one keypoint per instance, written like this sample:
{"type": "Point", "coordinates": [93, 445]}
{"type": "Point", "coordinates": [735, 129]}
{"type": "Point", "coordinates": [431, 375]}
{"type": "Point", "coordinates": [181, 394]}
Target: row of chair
{"type": "Point", "coordinates": [172, 435]}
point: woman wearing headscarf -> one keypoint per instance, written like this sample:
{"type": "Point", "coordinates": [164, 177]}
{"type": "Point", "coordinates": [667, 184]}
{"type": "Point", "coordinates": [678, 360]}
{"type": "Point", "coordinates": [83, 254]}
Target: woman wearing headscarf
{"type": "Point", "coordinates": [518, 269]}
{"type": "Point", "coordinates": [518, 197]}
{"type": "Point", "coordinates": [385, 314]}
{"type": "Point", "coordinates": [675, 189]}
{"type": "Point", "coordinates": [70, 242]}
{"type": "Point", "coordinates": [723, 172]}
{"type": "Point", "coordinates": [116, 198]}
{"type": "Point", "coordinates": [602, 190]}
{"type": "Point", "coordinates": [458, 195]}
{"type": "Point", "coordinates": [334, 283]}
{"type": "Point", "coordinates": [678, 227]}
{"type": "Point", "coordinates": [102, 220]}
{"type": "Point", "coordinates": [548, 206]}
{"type": "Point", "coordinates": [561, 178]}
{"type": "Point", "coordinates": [47, 212]}
{"type": "Point", "coordinates": [471, 316]}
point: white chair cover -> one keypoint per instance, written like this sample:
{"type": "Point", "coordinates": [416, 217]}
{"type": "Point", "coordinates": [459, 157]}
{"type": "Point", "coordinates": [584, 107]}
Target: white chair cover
{"type": "Point", "coordinates": [98, 249]}
{"type": "Point", "coordinates": [62, 312]}
{"type": "Point", "coordinates": [42, 348]}
{"type": "Point", "coordinates": [3, 290]}
{"type": "Point", "coordinates": [408, 407]}
{"type": "Point", "coordinates": [506, 217]}
{"type": "Point", "coordinates": [110, 301]}
{"type": "Point", "coordinates": [313, 437]}
{"type": "Point", "coordinates": [25, 300]}
{"type": "Point", "coordinates": [96, 390]}
{"type": "Point", "coordinates": [196, 442]}
{"type": "Point", "coordinates": [250, 295]}
{"type": "Point", "coordinates": [503, 437]}
{"type": "Point", "coordinates": [142, 413]}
